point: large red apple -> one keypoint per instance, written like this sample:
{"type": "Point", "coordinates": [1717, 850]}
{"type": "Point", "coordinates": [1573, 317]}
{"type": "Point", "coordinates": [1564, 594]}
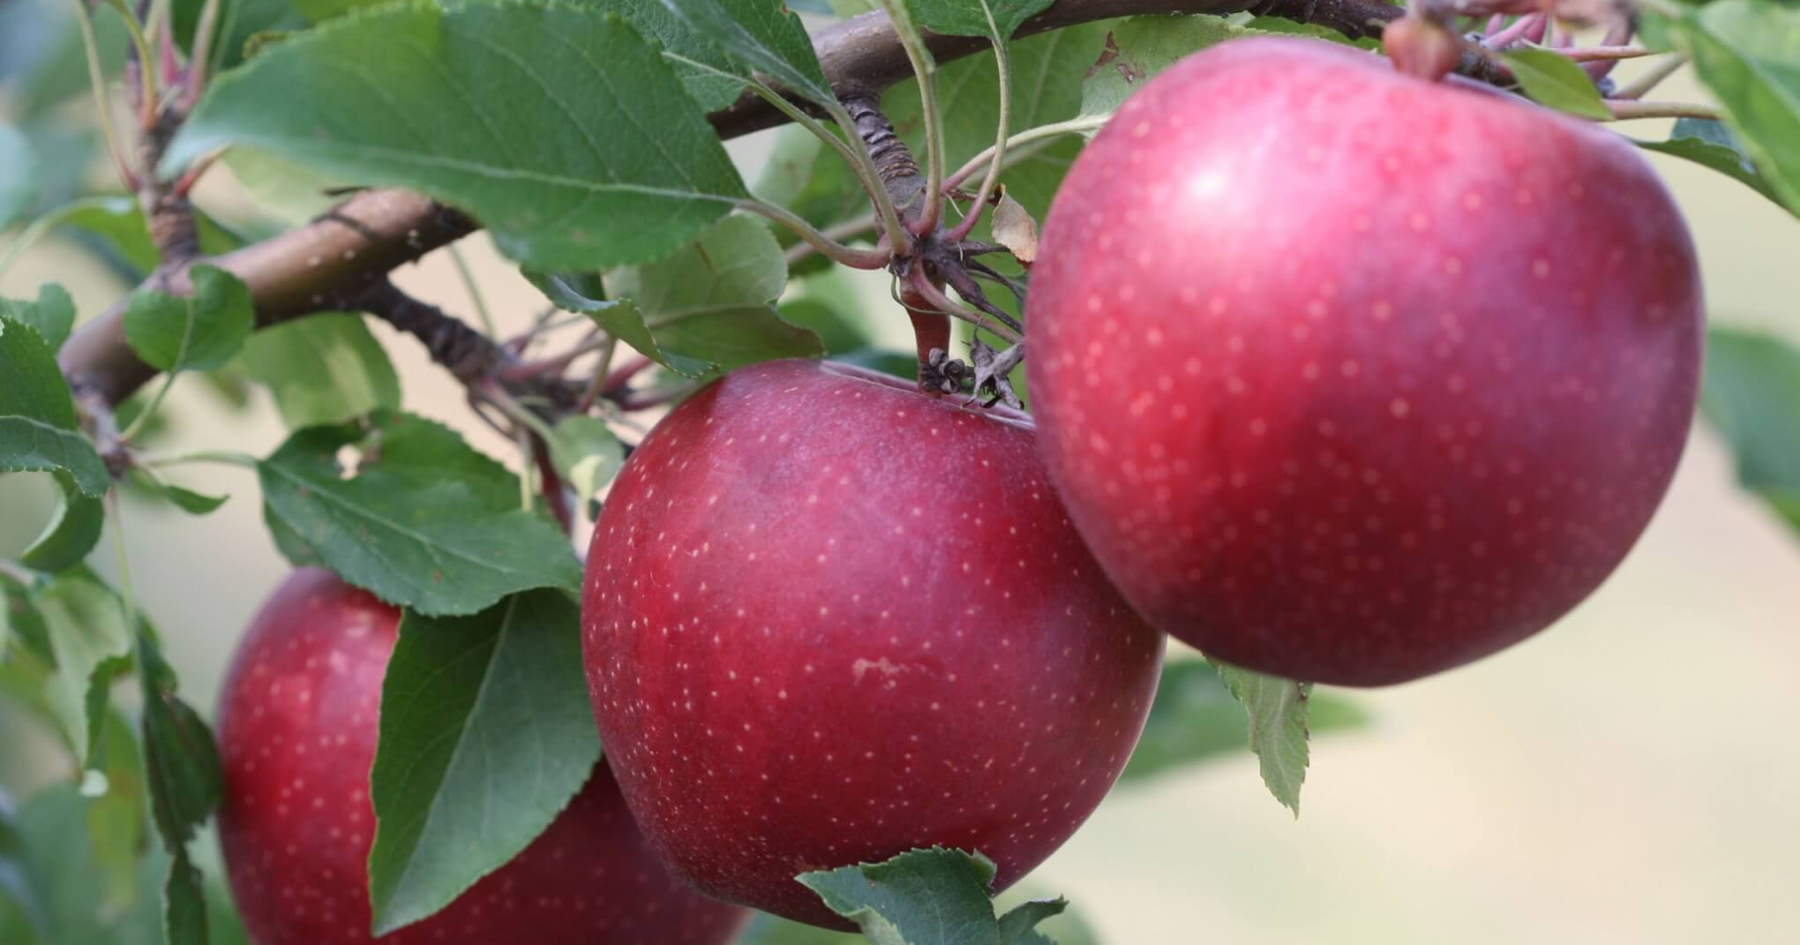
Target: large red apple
{"type": "Point", "coordinates": [297, 726]}
{"type": "Point", "coordinates": [829, 619]}
{"type": "Point", "coordinates": [1350, 377]}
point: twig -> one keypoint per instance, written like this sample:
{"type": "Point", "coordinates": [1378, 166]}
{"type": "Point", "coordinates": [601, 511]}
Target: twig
{"type": "Point", "coordinates": [836, 251]}
{"type": "Point", "coordinates": [200, 52]}
{"type": "Point", "coordinates": [998, 150]}
{"type": "Point", "coordinates": [1028, 136]}
{"type": "Point", "coordinates": [1626, 110]}
{"type": "Point", "coordinates": [97, 79]}
{"type": "Point", "coordinates": [1644, 84]}
{"type": "Point", "coordinates": [837, 231]}
{"type": "Point", "coordinates": [936, 298]}
{"type": "Point", "coordinates": [467, 275]}
{"type": "Point", "coordinates": [1606, 53]}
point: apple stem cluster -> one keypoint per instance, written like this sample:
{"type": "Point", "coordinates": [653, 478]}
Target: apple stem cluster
{"type": "Point", "coordinates": [937, 257]}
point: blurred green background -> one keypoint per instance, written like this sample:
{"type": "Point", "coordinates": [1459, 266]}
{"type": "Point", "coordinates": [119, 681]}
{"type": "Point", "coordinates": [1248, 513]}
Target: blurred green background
{"type": "Point", "coordinates": [1630, 776]}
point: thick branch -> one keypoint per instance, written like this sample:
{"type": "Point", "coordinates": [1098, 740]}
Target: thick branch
{"type": "Point", "coordinates": [305, 270]}
{"type": "Point", "coordinates": [315, 267]}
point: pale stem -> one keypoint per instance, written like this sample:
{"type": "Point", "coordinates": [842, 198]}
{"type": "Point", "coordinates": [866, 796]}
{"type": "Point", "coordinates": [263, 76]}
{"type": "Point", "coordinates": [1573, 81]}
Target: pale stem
{"type": "Point", "coordinates": [473, 288]}
{"type": "Point", "coordinates": [1647, 82]}
{"type": "Point", "coordinates": [156, 400]}
{"type": "Point", "coordinates": [847, 255]}
{"type": "Point", "coordinates": [999, 149]}
{"type": "Point", "coordinates": [222, 457]}
{"type": "Point", "coordinates": [1626, 110]}
{"type": "Point", "coordinates": [837, 231]}
{"type": "Point", "coordinates": [1029, 135]}
{"type": "Point", "coordinates": [199, 58]}
{"type": "Point", "coordinates": [97, 79]}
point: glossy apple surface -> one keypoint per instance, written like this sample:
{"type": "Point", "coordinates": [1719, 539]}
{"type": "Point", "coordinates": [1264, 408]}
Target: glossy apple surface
{"type": "Point", "coordinates": [828, 619]}
{"type": "Point", "coordinates": [1350, 377]}
{"type": "Point", "coordinates": [297, 728]}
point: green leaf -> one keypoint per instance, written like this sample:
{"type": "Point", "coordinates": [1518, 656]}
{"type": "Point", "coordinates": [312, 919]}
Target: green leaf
{"type": "Point", "coordinates": [53, 828]}
{"type": "Point", "coordinates": [586, 152]}
{"type": "Point", "coordinates": [52, 315]}
{"type": "Point", "coordinates": [1277, 710]}
{"type": "Point", "coordinates": [586, 453]}
{"type": "Point", "coordinates": [113, 839]}
{"type": "Point", "coordinates": [710, 76]}
{"type": "Point", "coordinates": [1019, 927]}
{"type": "Point", "coordinates": [20, 619]}
{"type": "Point", "coordinates": [238, 21]}
{"type": "Point", "coordinates": [763, 36]}
{"type": "Point", "coordinates": [425, 522]}
{"type": "Point", "coordinates": [1752, 394]}
{"type": "Point", "coordinates": [289, 191]}
{"type": "Point", "coordinates": [1143, 46]}
{"type": "Point", "coordinates": [18, 175]}
{"type": "Point", "coordinates": [21, 913]}
{"type": "Point", "coordinates": [184, 903]}
{"type": "Point", "coordinates": [181, 760]}
{"type": "Point", "coordinates": [1195, 718]}
{"type": "Point", "coordinates": [70, 534]}
{"type": "Point", "coordinates": [766, 929]}
{"type": "Point", "coordinates": [197, 332]}
{"type": "Point", "coordinates": [117, 819]}
{"type": "Point", "coordinates": [37, 416]}
{"type": "Point", "coordinates": [187, 500]}
{"type": "Point", "coordinates": [1063, 929]}
{"type": "Point", "coordinates": [995, 19]}
{"type": "Point", "coordinates": [91, 642]}
{"type": "Point", "coordinates": [1554, 80]}
{"type": "Point", "coordinates": [485, 736]}
{"type": "Point", "coordinates": [709, 307]}
{"type": "Point", "coordinates": [1709, 143]}
{"type": "Point", "coordinates": [837, 332]}
{"type": "Point", "coordinates": [1748, 53]}
{"type": "Point", "coordinates": [322, 369]}
{"type": "Point", "coordinates": [582, 292]}
{"type": "Point", "coordinates": [318, 11]}
{"type": "Point", "coordinates": [923, 897]}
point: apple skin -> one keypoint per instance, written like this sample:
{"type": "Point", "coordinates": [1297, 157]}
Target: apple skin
{"type": "Point", "coordinates": [828, 619]}
{"type": "Point", "coordinates": [1353, 378]}
{"type": "Point", "coordinates": [297, 729]}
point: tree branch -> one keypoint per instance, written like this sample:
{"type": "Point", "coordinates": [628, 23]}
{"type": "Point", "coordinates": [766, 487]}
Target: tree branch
{"type": "Point", "coordinates": [322, 265]}
{"type": "Point", "coordinates": [305, 270]}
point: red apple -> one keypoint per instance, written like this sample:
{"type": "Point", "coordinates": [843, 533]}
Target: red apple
{"type": "Point", "coordinates": [297, 726]}
{"type": "Point", "coordinates": [829, 619]}
{"type": "Point", "coordinates": [1351, 377]}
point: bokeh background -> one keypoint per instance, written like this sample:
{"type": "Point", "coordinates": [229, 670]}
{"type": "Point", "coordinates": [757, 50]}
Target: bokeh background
{"type": "Point", "coordinates": [1631, 776]}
